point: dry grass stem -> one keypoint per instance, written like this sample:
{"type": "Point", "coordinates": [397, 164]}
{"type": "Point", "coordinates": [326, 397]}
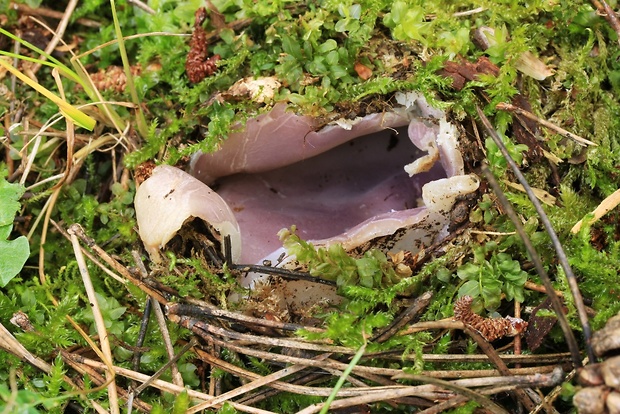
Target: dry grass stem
{"type": "Point", "coordinates": [58, 33]}
{"type": "Point", "coordinates": [512, 108]}
{"type": "Point", "coordinates": [98, 317]}
{"type": "Point", "coordinates": [160, 384]}
{"type": "Point", "coordinates": [163, 329]}
{"type": "Point", "coordinates": [45, 12]}
{"type": "Point", "coordinates": [603, 208]}
{"type": "Point", "coordinates": [262, 381]}
{"type": "Point", "coordinates": [90, 256]}
{"type": "Point", "coordinates": [79, 232]}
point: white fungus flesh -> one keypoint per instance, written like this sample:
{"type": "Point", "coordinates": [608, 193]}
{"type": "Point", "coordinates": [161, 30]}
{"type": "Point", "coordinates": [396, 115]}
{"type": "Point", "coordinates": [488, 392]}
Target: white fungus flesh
{"type": "Point", "coordinates": [171, 197]}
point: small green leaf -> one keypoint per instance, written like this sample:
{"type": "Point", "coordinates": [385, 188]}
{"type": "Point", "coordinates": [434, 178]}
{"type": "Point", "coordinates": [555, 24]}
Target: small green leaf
{"type": "Point", "coordinates": [13, 253]}
{"type": "Point", "coordinates": [327, 46]}
{"type": "Point", "coordinates": [291, 46]}
{"type": "Point", "coordinates": [468, 271]}
{"type": "Point", "coordinates": [470, 288]}
{"type": "Point", "coordinates": [181, 403]}
{"type": "Point", "coordinates": [13, 256]}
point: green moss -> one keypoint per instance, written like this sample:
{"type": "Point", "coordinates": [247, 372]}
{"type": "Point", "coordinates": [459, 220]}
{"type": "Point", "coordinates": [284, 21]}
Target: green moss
{"type": "Point", "coordinates": [312, 48]}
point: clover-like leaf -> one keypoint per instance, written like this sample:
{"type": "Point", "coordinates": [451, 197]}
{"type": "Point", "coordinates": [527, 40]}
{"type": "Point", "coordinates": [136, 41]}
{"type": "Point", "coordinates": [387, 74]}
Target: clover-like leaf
{"type": "Point", "coordinates": [13, 253]}
{"type": "Point", "coordinates": [13, 256]}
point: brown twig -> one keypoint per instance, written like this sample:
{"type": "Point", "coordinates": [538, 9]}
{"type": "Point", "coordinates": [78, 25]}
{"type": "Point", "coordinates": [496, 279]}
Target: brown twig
{"type": "Point", "coordinates": [167, 365]}
{"type": "Point", "coordinates": [512, 108]}
{"type": "Point", "coordinates": [255, 339]}
{"type": "Point", "coordinates": [99, 380]}
{"type": "Point", "coordinates": [557, 358]}
{"type": "Point", "coordinates": [390, 394]}
{"type": "Point", "coordinates": [195, 327]}
{"type": "Point", "coordinates": [259, 382]}
{"type": "Point", "coordinates": [53, 14]}
{"type": "Point", "coordinates": [79, 232]}
{"type": "Point", "coordinates": [58, 33]}
{"type": "Point", "coordinates": [203, 311]}
{"type": "Point", "coordinates": [494, 358]}
{"type": "Point", "coordinates": [485, 373]}
{"type": "Point", "coordinates": [159, 384]}
{"type": "Point", "coordinates": [283, 273]}
{"type": "Point", "coordinates": [419, 304]}
{"type": "Point", "coordinates": [603, 9]}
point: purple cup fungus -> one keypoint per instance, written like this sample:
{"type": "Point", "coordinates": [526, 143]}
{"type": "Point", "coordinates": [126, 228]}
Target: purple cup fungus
{"type": "Point", "coordinates": [343, 183]}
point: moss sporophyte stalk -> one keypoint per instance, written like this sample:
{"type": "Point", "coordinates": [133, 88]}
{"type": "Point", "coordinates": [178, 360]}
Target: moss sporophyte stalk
{"type": "Point", "coordinates": [101, 88]}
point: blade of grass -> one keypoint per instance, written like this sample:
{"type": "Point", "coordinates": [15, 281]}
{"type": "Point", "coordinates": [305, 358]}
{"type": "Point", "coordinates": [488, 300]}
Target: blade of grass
{"type": "Point", "coordinates": [52, 60]}
{"type": "Point", "coordinates": [79, 117]}
{"type": "Point", "coordinates": [80, 76]}
{"type": "Point", "coordinates": [354, 361]}
{"type": "Point", "coordinates": [141, 120]}
{"type": "Point", "coordinates": [60, 31]}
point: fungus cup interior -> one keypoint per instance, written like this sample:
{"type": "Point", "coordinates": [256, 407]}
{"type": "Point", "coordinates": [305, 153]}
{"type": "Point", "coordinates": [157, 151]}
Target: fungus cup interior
{"type": "Point", "coordinates": [325, 195]}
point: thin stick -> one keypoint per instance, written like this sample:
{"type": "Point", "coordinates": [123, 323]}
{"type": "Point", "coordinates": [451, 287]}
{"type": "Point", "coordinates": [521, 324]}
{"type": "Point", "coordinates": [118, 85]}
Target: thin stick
{"type": "Point", "coordinates": [256, 339]}
{"type": "Point", "coordinates": [501, 366]}
{"type": "Point", "coordinates": [404, 392]}
{"type": "Point", "coordinates": [159, 384]}
{"type": "Point", "coordinates": [605, 207]}
{"type": "Point", "coordinates": [259, 382]}
{"type": "Point", "coordinates": [203, 310]}
{"type": "Point", "coordinates": [79, 232]}
{"type": "Point", "coordinates": [270, 356]}
{"type": "Point", "coordinates": [142, 6]}
{"type": "Point", "coordinates": [163, 328]}
{"type": "Point", "coordinates": [559, 358]}
{"type": "Point", "coordinates": [570, 276]}
{"type": "Point", "coordinates": [555, 393]}
{"type": "Point", "coordinates": [419, 304]}
{"type": "Point", "coordinates": [283, 273]}
{"type": "Point", "coordinates": [603, 8]}
{"type": "Point", "coordinates": [96, 378]}
{"type": "Point", "coordinates": [42, 11]}
{"type": "Point", "coordinates": [538, 288]}
{"type": "Point", "coordinates": [512, 108]}
{"type": "Point", "coordinates": [483, 373]}
{"type": "Point", "coordinates": [555, 300]}
{"type": "Point", "coordinates": [98, 317]}
{"type": "Point", "coordinates": [88, 254]}
{"type": "Point", "coordinates": [422, 390]}
{"type": "Point", "coordinates": [58, 33]}
{"type": "Point", "coordinates": [167, 365]}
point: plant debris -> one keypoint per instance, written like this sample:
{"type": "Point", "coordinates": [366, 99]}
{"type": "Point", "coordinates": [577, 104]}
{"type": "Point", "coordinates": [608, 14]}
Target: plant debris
{"type": "Point", "coordinates": [198, 64]}
{"type": "Point", "coordinates": [491, 329]}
